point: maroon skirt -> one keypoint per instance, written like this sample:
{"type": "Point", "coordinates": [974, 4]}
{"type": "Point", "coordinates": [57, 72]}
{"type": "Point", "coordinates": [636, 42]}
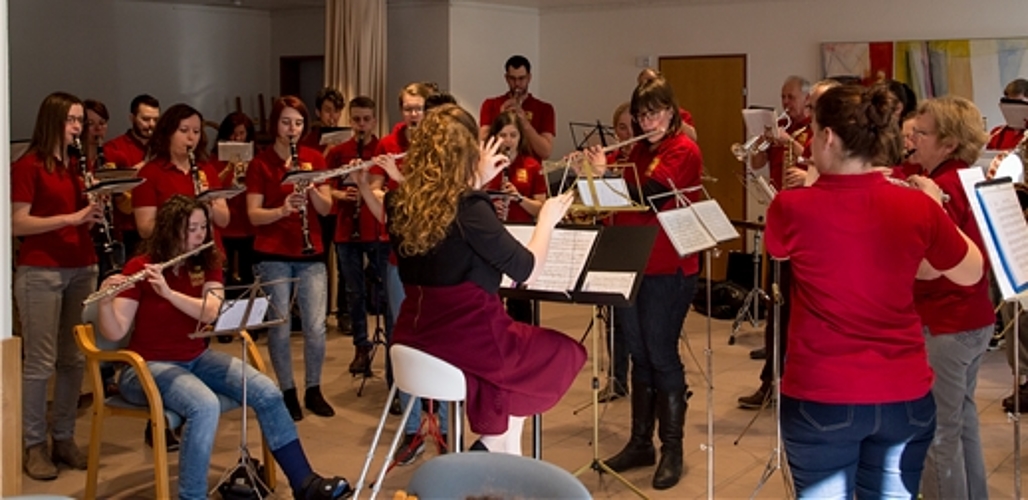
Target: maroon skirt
{"type": "Point", "coordinates": [511, 368]}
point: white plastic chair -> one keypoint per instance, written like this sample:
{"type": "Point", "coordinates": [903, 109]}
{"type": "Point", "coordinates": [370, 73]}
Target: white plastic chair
{"type": "Point", "coordinates": [423, 376]}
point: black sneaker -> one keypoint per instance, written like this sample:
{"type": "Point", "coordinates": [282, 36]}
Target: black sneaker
{"type": "Point", "coordinates": [395, 408]}
{"type": "Point", "coordinates": [409, 449]}
{"type": "Point", "coordinates": [316, 487]}
{"type": "Point", "coordinates": [315, 402]}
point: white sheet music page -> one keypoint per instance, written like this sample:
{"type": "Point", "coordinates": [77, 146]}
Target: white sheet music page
{"type": "Point", "coordinates": [609, 282]}
{"type": "Point", "coordinates": [232, 314]}
{"type": "Point", "coordinates": [1008, 229]}
{"type": "Point", "coordinates": [235, 151]}
{"type": "Point", "coordinates": [715, 220]}
{"type": "Point", "coordinates": [569, 252]}
{"type": "Point", "coordinates": [611, 191]}
{"type": "Point", "coordinates": [686, 232]}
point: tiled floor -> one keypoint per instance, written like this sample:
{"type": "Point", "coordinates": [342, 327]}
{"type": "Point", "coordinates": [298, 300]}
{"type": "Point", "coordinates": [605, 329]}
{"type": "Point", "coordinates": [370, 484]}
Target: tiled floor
{"type": "Point", "coordinates": [338, 445]}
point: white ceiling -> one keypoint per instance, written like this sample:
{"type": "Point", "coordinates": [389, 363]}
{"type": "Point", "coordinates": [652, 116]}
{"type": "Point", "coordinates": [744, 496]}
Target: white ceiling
{"type": "Point", "coordinates": [538, 4]}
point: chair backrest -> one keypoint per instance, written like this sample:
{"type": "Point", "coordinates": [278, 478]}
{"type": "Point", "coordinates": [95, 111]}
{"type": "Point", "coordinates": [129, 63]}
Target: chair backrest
{"type": "Point", "coordinates": [474, 474]}
{"type": "Point", "coordinates": [420, 374]}
{"type": "Point", "coordinates": [90, 316]}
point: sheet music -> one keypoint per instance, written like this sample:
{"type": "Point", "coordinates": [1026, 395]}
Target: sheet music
{"type": "Point", "coordinates": [565, 261]}
{"type": "Point", "coordinates": [231, 317]}
{"type": "Point", "coordinates": [611, 191]}
{"type": "Point", "coordinates": [683, 228]}
{"type": "Point", "coordinates": [759, 122]}
{"type": "Point", "coordinates": [1015, 114]}
{"type": "Point", "coordinates": [335, 137]}
{"type": "Point", "coordinates": [969, 177]}
{"type": "Point", "coordinates": [235, 151]}
{"type": "Point", "coordinates": [715, 220]}
{"type": "Point", "coordinates": [609, 282]}
{"type": "Point", "coordinates": [1012, 167]}
{"type": "Point", "coordinates": [1008, 228]}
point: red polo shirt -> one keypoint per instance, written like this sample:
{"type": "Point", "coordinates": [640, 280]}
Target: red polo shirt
{"type": "Point", "coordinates": [50, 194]}
{"type": "Point", "coordinates": [1004, 138]}
{"type": "Point", "coordinates": [675, 159]}
{"type": "Point", "coordinates": [855, 243]}
{"type": "Point", "coordinates": [284, 237]}
{"type": "Point", "coordinates": [527, 175]}
{"type": "Point", "coordinates": [164, 180]}
{"type": "Point", "coordinates": [539, 113]}
{"type": "Point", "coordinates": [369, 227]}
{"type": "Point", "coordinates": [125, 151]}
{"type": "Point", "coordinates": [161, 329]}
{"type": "Point", "coordinates": [944, 306]}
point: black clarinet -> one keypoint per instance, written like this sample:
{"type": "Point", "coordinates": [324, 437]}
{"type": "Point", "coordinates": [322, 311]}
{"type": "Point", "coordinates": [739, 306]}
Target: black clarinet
{"type": "Point", "coordinates": [102, 234]}
{"type": "Point", "coordinates": [355, 233]}
{"type": "Point", "coordinates": [301, 188]}
{"type": "Point", "coordinates": [194, 172]}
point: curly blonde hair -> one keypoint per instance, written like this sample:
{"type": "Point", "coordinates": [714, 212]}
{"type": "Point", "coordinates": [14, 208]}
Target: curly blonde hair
{"type": "Point", "coordinates": [441, 164]}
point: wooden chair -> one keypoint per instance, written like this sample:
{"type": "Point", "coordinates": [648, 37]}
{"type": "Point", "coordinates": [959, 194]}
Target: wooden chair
{"type": "Point", "coordinates": [117, 406]}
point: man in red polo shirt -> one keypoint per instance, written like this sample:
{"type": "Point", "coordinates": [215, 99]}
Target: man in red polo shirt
{"type": "Point", "coordinates": [1006, 137]}
{"type": "Point", "coordinates": [129, 151]}
{"type": "Point", "coordinates": [538, 120]}
{"type": "Point", "coordinates": [791, 140]}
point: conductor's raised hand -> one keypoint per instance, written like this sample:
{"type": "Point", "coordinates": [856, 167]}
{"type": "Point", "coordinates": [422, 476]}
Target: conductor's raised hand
{"type": "Point", "coordinates": [554, 208]}
{"type": "Point", "coordinates": [490, 161]}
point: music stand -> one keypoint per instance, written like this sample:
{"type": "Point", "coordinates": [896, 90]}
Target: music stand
{"type": "Point", "coordinates": [592, 131]}
{"type": "Point", "coordinates": [246, 312]}
{"type": "Point", "coordinates": [606, 269]}
{"type": "Point", "coordinates": [693, 227]}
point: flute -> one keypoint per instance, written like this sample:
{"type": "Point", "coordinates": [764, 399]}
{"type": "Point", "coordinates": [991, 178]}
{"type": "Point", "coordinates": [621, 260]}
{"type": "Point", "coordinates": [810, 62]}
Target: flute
{"type": "Point", "coordinates": [341, 171]}
{"type": "Point", "coordinates": [902, 183]}
{"type": "Point", "coordinates": [632, 140]}
{"type": "Point", "coordinates": [138, 276]}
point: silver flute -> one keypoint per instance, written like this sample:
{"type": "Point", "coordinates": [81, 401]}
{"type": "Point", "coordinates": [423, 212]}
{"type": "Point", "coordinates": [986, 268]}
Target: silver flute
{"type": "Point", "coordinates": [138, 276]}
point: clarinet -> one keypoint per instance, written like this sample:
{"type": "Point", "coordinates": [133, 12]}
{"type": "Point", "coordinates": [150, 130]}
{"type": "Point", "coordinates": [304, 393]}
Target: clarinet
{"type": "Point", "coordinates": [504, 209]}
{"type": "Point", "coordinates": [301, 188]}
{"type": "Point", "coordinates": [355, 233]}
{"type": "Point", "coordinates": [102, 231]}
{"type": "Point", "coordinates": [194, 172]}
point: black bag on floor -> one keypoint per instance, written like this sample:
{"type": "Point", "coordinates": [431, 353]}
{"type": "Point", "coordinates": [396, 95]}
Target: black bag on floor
{"type": "Point", "coordinates": [727, 298]}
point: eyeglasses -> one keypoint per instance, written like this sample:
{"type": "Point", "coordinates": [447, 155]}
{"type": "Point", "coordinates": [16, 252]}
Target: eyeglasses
{"type": "Point", "coordinates": [650, 115]}
{"type": "Point", "coordinates": [413, 109]}
{"type": "Point", "coordinates": [918, 133]}
{"type": "Point", "coordinates": [74, 119]}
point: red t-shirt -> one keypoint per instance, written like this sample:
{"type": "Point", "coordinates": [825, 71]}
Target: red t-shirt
{"type": "Point", "coordinates": [855, 243]}
{"type": "Point", "coordinates": [944, 306]}
{"type": "Point", "coordinates": [125, 151]}
{"type": "Point", "coordinates": [369, 227]}
{"type": "Point", "coordinates": [283, 237]}
{"type": "Point", "coordinates": [676, 159]}
{"type": "Point", "coordinates": [527, 175]}
{"type": "Point", "coordinates": [1004, 138]}
{"type": "Point", "coordinates": [50, 194]}
{"type": "Point", "coordinates": [164, 180]}
{"type": "Point", "coordinates": [800, 131]}
{"type": "Point", "coordinates": [539, 113]}
{"type": "Point", "coordinates": [161, 329]}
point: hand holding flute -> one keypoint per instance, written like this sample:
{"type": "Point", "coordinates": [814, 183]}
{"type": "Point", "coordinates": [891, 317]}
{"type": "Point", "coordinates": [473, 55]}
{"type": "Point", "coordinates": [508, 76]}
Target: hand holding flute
{"type": "Point", "coordinates": [597, 156]}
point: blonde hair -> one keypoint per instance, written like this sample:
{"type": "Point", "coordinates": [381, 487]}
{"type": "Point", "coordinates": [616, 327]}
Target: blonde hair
{"type": "Point", "coordinates": [442, 163]}
{"type": "Point", "coordinates": [959, 121]}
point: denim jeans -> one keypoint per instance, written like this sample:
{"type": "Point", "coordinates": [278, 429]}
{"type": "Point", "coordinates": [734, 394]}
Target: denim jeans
{"type": "Point", "coordinates": [351, 267]}
{"type": "Point", "coordinates": [50, 305]}
{"type": "Point", "coordinates": [876, 450]}
{"type": "Point", "coordinates": [191, 389]}
{"type": "Point", "coordinates": [311, 290]}
{"type": "Point", "coordinates": [955, 467]}
{"type": "Point", "coordinates": [394, 289]}
{"type": "Point", "coordinates": [653, 326]}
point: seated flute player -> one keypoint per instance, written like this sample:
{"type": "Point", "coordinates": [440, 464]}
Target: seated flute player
{"type": "Point", "coordinates": [452, 251]}
{"type": "Point", "coordinates": [165, 309]}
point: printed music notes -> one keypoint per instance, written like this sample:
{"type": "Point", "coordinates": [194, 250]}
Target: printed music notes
{"type": "Point", "coordinates": [569, 252]}
{"type": "Point", "coordinates": [1007, 228]}
{"type": "Point", "coordinates": [696, 227]}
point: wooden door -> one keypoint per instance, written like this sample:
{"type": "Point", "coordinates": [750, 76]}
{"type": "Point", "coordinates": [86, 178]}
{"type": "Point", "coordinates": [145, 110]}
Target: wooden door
{"type": "Point", "coordinates": [713, 89]}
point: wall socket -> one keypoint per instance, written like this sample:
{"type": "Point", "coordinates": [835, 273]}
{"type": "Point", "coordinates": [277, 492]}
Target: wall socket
{"type": "Point", "coordinates": [645, 61]}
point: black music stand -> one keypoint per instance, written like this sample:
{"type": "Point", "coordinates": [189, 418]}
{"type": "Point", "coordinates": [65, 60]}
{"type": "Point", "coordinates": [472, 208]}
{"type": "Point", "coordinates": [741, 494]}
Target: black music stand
{"type": "Point", "coordinates": [246, 312]}
{"type": "Point", "coordinates": [598, 131]}
{"type": "Point", "coordinates": [611, 275]}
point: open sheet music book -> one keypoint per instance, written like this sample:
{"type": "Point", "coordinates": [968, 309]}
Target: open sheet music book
{"type": "Point", "coordinates": [697, 226]}
{"type": "Point", "coordinates": [570, 250]}
{"type": "Point", "coordinates": [1007, 228]}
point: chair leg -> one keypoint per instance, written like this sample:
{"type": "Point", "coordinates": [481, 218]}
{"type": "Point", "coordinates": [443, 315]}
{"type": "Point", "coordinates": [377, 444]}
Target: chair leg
{"type": "Point", "coordinates": [392, 447]}
{"type": "Point", "coordinates": [93, 466]}
{"type": "Point", "coordinates": [160, 459]}
{"type": "Point", "coordinates": [374, 442]}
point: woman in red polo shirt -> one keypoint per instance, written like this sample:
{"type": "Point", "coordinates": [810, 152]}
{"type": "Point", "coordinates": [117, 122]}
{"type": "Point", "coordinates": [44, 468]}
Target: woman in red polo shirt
{"type": "Point", "coordinates": [55, 270]}
{"type": "Point", "coordinates": [238, 234]}
{"type": "Point", "coordinates": [958, 318]}
{"type": "Point", "coordinates": [857, 409]}
{"type": "Point", "coordinates": [179, 131]}
{"type": "Point", "coordinates": [275, 212]}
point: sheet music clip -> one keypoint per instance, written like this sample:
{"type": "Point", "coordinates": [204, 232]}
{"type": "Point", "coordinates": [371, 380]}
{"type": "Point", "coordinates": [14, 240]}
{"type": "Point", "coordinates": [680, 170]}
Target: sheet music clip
{"type": "Point", "coordinates": [115, 185]}
{"type": "Point", "coordinates": [693, 226]}
{"type": "Point", "coordinates": [252, 309]}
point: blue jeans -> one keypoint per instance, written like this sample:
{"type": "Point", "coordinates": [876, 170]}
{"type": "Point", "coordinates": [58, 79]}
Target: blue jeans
{"type": "Point", "coordinates": [652, 328]}
{"type": "Point", "coordinates": [351, 266]}
{"type": "Point", "coordinates": [394, 289]}
{"type": "Point", "coordinates": [955, 467]}
{"type": "Point", "coordinates": [311, 293]}
{"type": "Point", "coordinates": [190, 388]}
{"type": "Point", "coordinates": [49, 306]}
{"type": "Point", "coordinates": [876, 450]}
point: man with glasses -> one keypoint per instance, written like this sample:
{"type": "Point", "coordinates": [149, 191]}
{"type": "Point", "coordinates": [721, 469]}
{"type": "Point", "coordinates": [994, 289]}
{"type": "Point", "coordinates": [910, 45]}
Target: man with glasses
{"type": "Point", "coordinates": [538, 120]}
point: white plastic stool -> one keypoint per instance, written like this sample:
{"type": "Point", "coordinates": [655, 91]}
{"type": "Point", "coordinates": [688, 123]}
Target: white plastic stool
{"type": "Point", "coordinates": [422, 376]}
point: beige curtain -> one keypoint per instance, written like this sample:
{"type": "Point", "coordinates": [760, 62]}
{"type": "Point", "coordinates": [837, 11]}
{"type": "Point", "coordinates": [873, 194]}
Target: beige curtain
{"type": "Point", "coordinates": [355, 52]}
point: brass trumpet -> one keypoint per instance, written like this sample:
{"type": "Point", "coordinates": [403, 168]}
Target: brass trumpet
{"type": "Point", "coordinates": [760, 142]}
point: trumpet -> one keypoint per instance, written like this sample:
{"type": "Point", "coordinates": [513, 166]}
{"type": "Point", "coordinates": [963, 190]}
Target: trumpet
{"type": "Point", "coordinates": [301, 188]}
{"type": "Point", "coordinates": [138, 276]}
{"type": "Point", "coordinates": [760, 142]}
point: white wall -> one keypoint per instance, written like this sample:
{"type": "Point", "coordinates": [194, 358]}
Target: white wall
{"type": "Point", "coordinates": [482, 37]}
{"type": "Point", "coordinates": [295, 32]}
{"type": "Point", "coordinates": [112, 51]}
{"type": "Point", "coordinates": [418, 44]}
{"type": "Point", "coordinates": [590, 54]}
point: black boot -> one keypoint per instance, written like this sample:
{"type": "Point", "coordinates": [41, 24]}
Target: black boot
{"type": "Point", "coordinates": [671, 416]}
{"type": "Point", "coordinates": [292, 404]}
{"type": "Point", "coordinates": [639, 451]}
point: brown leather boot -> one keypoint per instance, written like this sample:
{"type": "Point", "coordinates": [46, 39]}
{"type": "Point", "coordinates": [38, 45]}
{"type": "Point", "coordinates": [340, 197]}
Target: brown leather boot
{"type": "Point", "coordinates": [38, 464]}
{"type": "Point", "coordinates": [67, 452]}
{"type": "Point", "coordinates": [757, 400]}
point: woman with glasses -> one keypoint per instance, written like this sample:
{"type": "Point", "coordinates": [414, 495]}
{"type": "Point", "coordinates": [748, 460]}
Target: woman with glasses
{"type": "Point", "coordinates": [667, 160]}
